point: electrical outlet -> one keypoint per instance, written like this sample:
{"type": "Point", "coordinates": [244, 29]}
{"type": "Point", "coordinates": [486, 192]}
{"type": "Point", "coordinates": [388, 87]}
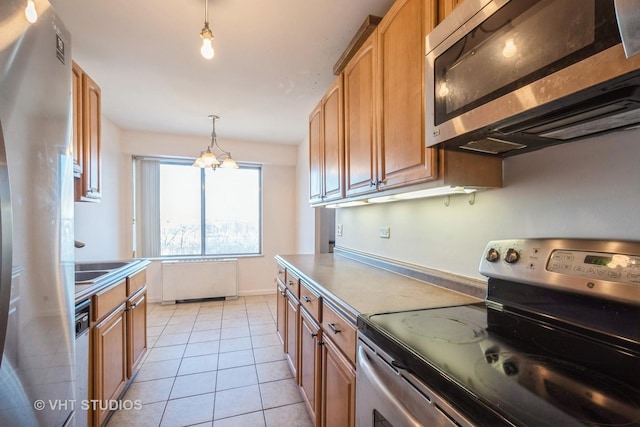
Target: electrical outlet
{"type": "Point", "coordinates": [385, 232]}
{"type": "Point", "coordinates": [339, 230]}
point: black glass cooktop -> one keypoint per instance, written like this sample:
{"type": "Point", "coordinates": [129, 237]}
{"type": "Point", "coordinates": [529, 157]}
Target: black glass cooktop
{"type": "Point", "coordinates": [503, 368]}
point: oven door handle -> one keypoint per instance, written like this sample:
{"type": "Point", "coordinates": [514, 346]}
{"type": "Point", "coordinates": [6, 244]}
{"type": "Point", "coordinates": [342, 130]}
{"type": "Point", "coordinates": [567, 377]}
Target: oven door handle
{"type": "Point", "coordinates": [369, 372]}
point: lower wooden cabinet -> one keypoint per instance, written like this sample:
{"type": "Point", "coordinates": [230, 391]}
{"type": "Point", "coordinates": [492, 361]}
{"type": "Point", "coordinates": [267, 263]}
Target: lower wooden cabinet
{"type": "Point", "coordinates": [338, 387]}
{"type": "Point", "coordinates": [310, 367]}
{"type": "Point", "coordinates": [109, 361]}
{"type": "Point", "coordinates": [281, 310]}
{"type": "Point", "coordinates": [291, 343]}
{"type": "Point", "coordinates": [136, 330]}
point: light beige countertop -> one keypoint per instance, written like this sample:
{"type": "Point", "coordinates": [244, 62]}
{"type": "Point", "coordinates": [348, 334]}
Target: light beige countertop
{"type": "Point", "coordinates": [360, 288]}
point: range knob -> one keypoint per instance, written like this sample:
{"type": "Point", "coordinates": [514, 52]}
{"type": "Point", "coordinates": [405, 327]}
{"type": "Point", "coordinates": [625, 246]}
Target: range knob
{"type": "Point", "coordinates": [512, 256]}
{"type": "Point", "coordinates": [492, 255]}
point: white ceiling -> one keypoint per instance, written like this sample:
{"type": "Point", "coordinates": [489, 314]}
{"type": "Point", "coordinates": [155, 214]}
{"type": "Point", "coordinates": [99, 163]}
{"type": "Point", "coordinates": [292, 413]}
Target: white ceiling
{"type": "Point", "coordinates": [273, 61]}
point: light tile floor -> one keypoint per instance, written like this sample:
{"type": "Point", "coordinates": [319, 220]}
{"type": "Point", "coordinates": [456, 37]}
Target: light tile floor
{"type": "Point", "coordinates": [214, 363]}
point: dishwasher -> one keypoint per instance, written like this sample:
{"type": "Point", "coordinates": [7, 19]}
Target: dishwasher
{"type": "Point", "coordinates": [82, 362]}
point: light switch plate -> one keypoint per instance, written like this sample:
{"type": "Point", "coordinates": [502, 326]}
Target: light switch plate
{"type": "Point", "coordinates": [339, 230]}
{"type": "Point", "coordinates": [385, 232]}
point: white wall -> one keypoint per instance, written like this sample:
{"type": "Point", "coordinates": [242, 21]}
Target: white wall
{"type": "Point", "coordinates": [587, 189]}
{"type": "Point", "coordinates": [100, 225]}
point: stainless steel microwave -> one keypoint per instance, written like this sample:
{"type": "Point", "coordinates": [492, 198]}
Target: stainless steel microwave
{"type": "Point", "coordinates": [505, 77]}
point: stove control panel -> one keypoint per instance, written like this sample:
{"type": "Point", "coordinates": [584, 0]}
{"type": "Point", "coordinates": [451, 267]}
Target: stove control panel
{"type": "Point", "coordinates": [608, 268]}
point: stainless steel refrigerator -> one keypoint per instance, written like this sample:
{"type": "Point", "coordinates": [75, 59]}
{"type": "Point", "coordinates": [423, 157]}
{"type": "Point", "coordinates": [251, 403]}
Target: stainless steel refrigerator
{"type": "Point", "coordinates": [36, 219]}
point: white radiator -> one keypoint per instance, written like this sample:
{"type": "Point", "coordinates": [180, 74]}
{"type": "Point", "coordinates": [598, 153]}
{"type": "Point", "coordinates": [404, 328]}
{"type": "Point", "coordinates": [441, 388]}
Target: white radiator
{"type": "Point", "coordinates": [197, 279]}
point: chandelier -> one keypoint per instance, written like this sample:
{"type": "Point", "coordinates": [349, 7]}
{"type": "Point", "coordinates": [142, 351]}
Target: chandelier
{"type": "Point", "coordinates": [208, 159]}
{"type": "Point", "coordinates": [206, 35]}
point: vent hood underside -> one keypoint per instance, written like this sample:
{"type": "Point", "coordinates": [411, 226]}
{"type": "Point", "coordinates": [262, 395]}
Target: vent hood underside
{"type": "Point", "coordinates": [593, 112]}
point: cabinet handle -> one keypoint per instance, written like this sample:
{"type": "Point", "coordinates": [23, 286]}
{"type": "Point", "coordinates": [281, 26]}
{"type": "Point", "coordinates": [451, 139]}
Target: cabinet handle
{"type": "Point", "coordinates": [280, 271]}
{"type": "Point", "coordinates": [290, 282]}
{"type": "Point", "coordinates": [373, 183]}
{"type": "Point", "coordinates": [283, 293]}
{"type": "Point", "coordinates": [314, 335]}
{"type": "Point", "coordinates": [134, 305]}
{"type": "Point", "coordinates": [333, 328]}
{"type": "Point", "coordinates": [306, 298]}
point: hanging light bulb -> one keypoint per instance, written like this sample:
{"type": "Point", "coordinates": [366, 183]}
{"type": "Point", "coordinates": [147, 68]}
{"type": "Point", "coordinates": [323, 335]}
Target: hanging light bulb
{"type": "Point", "coordinates": [30, 12]}
{"type": "Point", "coordinates": [206, 35]}
{"type": "Point", "coordinates": [509, 49]}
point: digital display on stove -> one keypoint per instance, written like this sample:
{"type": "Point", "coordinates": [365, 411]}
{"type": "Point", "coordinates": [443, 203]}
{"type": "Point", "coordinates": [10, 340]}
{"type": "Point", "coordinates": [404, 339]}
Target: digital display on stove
{"type": "Point", "coordinates": [597, 260]}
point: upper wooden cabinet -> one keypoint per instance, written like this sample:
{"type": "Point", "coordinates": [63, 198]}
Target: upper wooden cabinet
{"type": "Point", "coordinates": [326, 146]}
{"type": "Point", "coordinates": [360, 157]}
{"type": "Point", "coordinates": [403, 157]}
{"type": "Point", "coordinates": [87, 136]}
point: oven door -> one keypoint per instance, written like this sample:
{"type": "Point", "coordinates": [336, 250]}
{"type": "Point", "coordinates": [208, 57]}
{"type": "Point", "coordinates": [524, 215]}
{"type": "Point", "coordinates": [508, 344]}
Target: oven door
{"type": "Point", "coordinates": [390, 396]}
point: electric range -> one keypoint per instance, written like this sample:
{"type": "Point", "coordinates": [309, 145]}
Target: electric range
{"type": "Point", "coordinates": [555, 343]}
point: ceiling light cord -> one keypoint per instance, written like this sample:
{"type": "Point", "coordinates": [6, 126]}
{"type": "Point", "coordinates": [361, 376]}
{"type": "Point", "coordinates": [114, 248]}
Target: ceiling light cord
{"type": "Point", "coordinates": [206, 35]}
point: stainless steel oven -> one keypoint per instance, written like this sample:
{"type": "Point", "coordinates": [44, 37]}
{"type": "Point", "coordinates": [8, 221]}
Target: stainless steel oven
{"type": "Point", "coordinates": [505, 77]}
{"type": "Point", "coordinates": [555, 343]}
{"type": "Point", "coordinates": [389, 395]}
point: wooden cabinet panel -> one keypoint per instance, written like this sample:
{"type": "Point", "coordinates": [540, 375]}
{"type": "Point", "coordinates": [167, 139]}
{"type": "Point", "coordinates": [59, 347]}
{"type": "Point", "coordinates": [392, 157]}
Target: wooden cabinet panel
{"type": "Point", "coordinates": [316, 148]}
{"type": "Point", "coordinates": [109, 361]}
{"type": "Point", "coordinates": [281, 312]}
{"type": "Point", "coordinates": [359, 119]}
{"type": "Point", "coordinates": [76, 92]}
{"type": "Point", "coordinates": [341, 331]}
{"type": "Point", "coordinates": [291, 343]}
{"type": "Point", "coordinates": [108, 299]}
{"type": "Point", "coordinates": [333, 136]}
{"type": "Point", "coordinates": [293, 283]}
{"type": "Point", "coordinates": [87, 136]}
{"type": "Point", "coordinates": [326, 147]}
{"type": "Point", "coordinates": [338, 387]}
{"type": "Point", "coordinates": [136, 330]}
{"type": "Point", "coordinates": [136, 281]}
{"type": "Point", "coordinates": [311, 301]}
{"type": "Point", "coordinates": [309, 378]}
{"type": "Point", "coordinates": [403, 158]}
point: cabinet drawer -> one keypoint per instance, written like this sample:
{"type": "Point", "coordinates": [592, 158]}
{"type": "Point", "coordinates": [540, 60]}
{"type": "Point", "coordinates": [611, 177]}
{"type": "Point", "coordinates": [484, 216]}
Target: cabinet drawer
{"type": "Point", "coordinates": [106, 301]}
{"type": "Point", "coordinates": [281, 273]}
{"type": "Point", "coordinates": [341, 331]}
{"type": "Point", "coordinates": [311, 301]}
{"type": "Point", "coordinates": [293, 283]}
{"type": "Point", "coordinates": [136, 282]}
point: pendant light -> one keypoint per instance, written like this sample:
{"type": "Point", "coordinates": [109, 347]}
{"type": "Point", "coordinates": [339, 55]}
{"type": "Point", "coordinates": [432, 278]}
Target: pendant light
{"type": "Point", "coordinates": [208, 159]}
{"type": "Point", "coordinates": [206, 35]}
{"type": "Point", "coordinates": [30, 12]}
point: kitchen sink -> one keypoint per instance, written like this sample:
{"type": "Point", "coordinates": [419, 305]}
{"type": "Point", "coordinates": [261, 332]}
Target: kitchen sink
{"type": "Point", "coordinates": [99, 266]}
{"type": "Point", "coordinates": [88, 276]}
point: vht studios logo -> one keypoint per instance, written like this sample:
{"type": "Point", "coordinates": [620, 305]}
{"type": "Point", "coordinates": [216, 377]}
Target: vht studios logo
{"type": "Point", "coordinates": [85, 405]}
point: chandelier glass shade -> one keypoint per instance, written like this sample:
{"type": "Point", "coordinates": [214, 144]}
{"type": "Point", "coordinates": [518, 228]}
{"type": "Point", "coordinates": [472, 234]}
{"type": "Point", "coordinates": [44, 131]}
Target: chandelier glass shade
{"type": "Point", "coordinates": [208, 158]}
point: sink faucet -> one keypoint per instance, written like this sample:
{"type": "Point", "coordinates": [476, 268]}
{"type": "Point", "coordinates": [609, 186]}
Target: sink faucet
{"type": "Point", "coordinates": [78, 244]}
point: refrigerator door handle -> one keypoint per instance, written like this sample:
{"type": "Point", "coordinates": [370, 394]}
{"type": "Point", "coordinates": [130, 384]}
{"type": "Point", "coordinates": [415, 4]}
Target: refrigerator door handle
{"type": "Point", "coordinates": [6, 246]}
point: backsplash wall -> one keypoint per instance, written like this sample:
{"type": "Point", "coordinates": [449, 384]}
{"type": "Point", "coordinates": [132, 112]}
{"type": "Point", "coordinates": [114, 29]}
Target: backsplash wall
{"type": "Point", "coordinates": [586, 189]}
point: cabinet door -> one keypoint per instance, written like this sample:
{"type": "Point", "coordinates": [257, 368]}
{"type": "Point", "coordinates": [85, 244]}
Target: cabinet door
{"type": "Point", "coordinates": [359, 119]}
{"type": "Point", "coordinates": [291, 343]}
{"type": "Point", "coordinates": [315, 154]}
{"type": "Point", "coordinates": [137, 330]}
{"type": "Point", "coordinates": [92, 137]}
{"type": "Point", "coordinates": [110, 360]}
{"type": "Point", "coordinates": [76, 93]}
{"type": "Point", "coordinates": [333, 142]}
{"type": "Point", "coordinates": [338, 387]}
{"type": "Point", "coordinates": [281, 308]}
{"type": "Point", "coordinates": [403, 158]}
{"type": "Point", "coordinates": [310, 364]}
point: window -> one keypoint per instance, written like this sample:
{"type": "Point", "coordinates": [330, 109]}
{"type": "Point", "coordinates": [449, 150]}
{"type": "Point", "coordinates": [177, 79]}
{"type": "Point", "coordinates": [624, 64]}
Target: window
{"type": "Point", "coordinates": [187, 211]}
